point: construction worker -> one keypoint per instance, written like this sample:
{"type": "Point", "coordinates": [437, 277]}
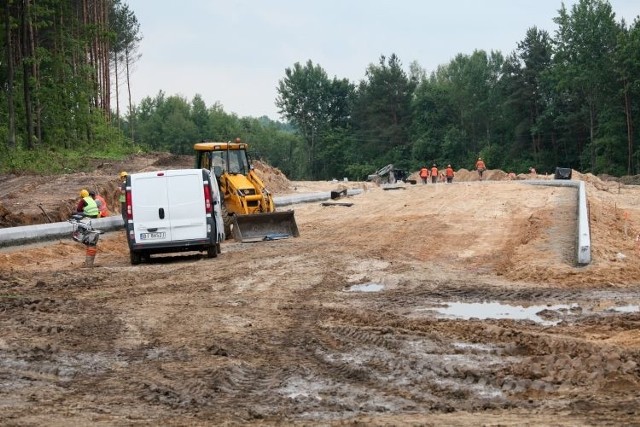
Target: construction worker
{"type": "Point", "coordinates": [424, 174]}
{"type": "Point", "coordinates": [434, 174]}
{"type": "Point", "coordinates": [480, 167]}
{"type": "Point", "coordinates": [449, 174]}
{"type": "Point", "coordinates": [101, 202]}
{"type": "Point", "coordinates": [87, 205]}
{"type": "Point", "coordinates": [123, 196]}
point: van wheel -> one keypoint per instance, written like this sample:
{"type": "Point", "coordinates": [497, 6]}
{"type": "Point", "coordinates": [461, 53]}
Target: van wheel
{"type": "Point", "coordinates": [135, 257]}
{"type": "Point", "coordinates": [212, 251]}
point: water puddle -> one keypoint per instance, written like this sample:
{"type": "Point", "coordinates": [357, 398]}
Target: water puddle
{"type": "Point", "coordinates": [366, 287]}
{"type": "Point", "coordinates": [626, 309]}
{"type": "Point", "coordinates": [495, 310]}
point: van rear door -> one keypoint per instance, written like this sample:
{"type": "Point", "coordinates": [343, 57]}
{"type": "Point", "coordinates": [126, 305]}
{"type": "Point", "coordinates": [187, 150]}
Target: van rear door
{"type": "Point", "coordinates": [187, 211]}
{"type": "Point", "coordinates": [150, 208]}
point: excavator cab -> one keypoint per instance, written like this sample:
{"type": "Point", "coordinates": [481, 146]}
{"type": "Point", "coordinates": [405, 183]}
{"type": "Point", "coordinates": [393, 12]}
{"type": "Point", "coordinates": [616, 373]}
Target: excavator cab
{"type": "Point", "coordinates": [248, 209]}
{"type": "Point", "coordinates": [226, 161]}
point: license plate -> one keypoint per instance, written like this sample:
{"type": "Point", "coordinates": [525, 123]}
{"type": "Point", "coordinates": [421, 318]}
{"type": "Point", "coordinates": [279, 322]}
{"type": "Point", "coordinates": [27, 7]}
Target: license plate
{"type": "Point", "coordinates": [152, 236]}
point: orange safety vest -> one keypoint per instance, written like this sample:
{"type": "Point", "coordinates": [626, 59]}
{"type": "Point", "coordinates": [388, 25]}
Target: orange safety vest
{"type": "Point", "coordinates": [424, 173]}
{"type": "Point", "coordinates": [104, 211]}
{"type": "Point", "coordinates": [434, 171]}
{"type": "Point", "coordinates": [449, 172]}
{"type": "Point", "coordinates": [480, 165]}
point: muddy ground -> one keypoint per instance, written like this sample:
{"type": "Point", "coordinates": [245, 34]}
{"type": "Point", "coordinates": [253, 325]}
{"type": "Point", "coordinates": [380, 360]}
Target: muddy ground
{"type": "Point", "coordinates": [428, 304]}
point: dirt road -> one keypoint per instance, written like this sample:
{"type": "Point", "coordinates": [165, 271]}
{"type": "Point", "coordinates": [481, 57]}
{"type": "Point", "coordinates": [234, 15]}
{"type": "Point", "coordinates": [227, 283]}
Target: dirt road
{"type": "Point", "coordinates": [429, 305]}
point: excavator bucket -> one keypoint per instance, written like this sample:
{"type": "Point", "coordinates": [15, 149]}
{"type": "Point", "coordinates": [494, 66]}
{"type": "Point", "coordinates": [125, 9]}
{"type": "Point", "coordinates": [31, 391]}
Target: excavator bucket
{"type": "Point", "coordinates": [264, 226]}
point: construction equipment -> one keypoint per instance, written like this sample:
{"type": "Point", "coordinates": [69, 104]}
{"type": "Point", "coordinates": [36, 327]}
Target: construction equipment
{"type": "Point", "coordinates": [389, 175]}
{"type": "Point", "coordinates": [562, 173]}
{"type": "Point", "coordinates": [248, 211]}
{"type": "Point", "coordinates": [83, 232]}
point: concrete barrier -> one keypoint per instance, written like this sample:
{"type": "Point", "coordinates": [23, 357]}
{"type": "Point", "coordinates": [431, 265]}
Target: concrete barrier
{"type": "Point", "coordinates": [583, 256]}
{"type": "Point", "coordinates": [308, 197]}
{"type": "Point", "coordinates": [14, 236]}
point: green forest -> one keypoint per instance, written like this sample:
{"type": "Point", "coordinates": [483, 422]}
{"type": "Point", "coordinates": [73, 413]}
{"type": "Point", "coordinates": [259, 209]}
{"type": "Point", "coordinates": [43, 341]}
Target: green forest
{"type": "Point", "coordinates": [569, 99]}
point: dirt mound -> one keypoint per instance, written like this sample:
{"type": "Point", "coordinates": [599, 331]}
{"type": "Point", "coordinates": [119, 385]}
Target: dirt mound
{"type": "Point", "coordinates": [630, 180]}
{"type": "Point", "coordinates": [175, 161]}
{"type": "Point", "coordinates": [273, 178]}
{"type": "Point", "coordinates": [36, 199]}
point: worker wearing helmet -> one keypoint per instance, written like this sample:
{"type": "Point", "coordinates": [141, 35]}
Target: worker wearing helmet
{"type": "Point", "coordinates": [480, 167]}
{"type": "Point", "coordinates": [87, 205]}
{"type": "Point", "coordinates": [424, 174]}
{"type": "Point", "coordinates": [449, 174]}
{"type": "Point", "coordinates": [434, 174]}
{"type": "Point", "coordinates": [123, 195]}
{"type": "Point", "coordinates": [101, 202]}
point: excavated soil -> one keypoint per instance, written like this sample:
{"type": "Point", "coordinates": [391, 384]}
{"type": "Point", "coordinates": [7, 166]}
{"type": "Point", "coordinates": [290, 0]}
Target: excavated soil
{"type": "Point", "coordinates": [404, 308]}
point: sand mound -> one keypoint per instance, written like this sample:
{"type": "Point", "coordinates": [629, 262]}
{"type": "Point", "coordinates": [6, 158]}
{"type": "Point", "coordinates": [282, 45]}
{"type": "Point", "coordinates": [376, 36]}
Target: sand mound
{"type": "Point", "coordinates": [273, 178]}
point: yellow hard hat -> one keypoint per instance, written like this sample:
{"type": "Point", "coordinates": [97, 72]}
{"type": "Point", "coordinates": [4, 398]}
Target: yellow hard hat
{"type": "Point", "coordinates": [123, 174]}
{"type": "Point", "coordinates": [84, 193]}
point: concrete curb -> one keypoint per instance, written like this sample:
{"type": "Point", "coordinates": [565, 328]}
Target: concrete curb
{"type": "Point", "coordinates": [308, 197]}
{"type": "Point", "coordinates": [15, 236]}
{"type": "Point", "coordinates": [584, 234]}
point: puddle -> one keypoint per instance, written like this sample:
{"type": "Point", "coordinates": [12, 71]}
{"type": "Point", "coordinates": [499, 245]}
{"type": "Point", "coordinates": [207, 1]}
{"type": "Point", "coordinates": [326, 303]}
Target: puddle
{"type": "Point", "coordinates": [366, 287]}
{"type": "Point", "coordinates": [495, 310]}
{"type": "Point", "coordinates": [626, 309]}
{"type": "Point", "coordinates": [472, 346]}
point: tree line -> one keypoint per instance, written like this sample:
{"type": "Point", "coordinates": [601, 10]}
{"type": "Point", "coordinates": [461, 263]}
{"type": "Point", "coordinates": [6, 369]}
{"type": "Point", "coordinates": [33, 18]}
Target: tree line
{"type": "Point", "coordinates": [62, 62]}
{"type": "Point", "coordinates": [570, 99]}
{"type": "Point", "coordinates": [567, 99]}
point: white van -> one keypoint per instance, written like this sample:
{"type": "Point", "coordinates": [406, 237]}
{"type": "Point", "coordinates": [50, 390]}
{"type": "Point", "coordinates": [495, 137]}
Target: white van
{"type": "Point", "coordinates": [173, 211]}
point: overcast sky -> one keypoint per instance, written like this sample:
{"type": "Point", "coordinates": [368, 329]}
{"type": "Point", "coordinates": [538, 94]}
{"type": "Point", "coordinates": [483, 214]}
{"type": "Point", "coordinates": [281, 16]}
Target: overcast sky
{"type": "Point", "coordinates": [235, 51]}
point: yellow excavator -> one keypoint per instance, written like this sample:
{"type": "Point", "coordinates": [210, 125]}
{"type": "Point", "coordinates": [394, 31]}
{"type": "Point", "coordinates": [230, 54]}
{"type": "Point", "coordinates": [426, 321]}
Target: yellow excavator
{"type": "Point", "coordinates": [248, 211]}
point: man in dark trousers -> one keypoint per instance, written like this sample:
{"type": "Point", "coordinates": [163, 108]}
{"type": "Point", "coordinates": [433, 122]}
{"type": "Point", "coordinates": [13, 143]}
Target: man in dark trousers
{"type": "Point", "coordinates": [123, 196]}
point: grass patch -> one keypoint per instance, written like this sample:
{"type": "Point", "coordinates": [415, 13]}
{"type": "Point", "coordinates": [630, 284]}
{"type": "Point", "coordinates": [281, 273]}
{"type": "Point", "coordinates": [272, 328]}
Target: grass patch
{"type": "Point", "coordinates": [47, 161]}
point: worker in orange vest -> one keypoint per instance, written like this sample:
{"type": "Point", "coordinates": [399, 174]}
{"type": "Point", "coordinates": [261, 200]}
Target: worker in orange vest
{"type": "Point", "coordinates": [480, 167]}
{"type": "Point", "coordinates": [449, 174]}
{"type": "Point", "coordinates": [434, 174]}
{"type": "Point", "coordinates": [424, 174]}
{"type": "Point", "coordinates": [101, 202]}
